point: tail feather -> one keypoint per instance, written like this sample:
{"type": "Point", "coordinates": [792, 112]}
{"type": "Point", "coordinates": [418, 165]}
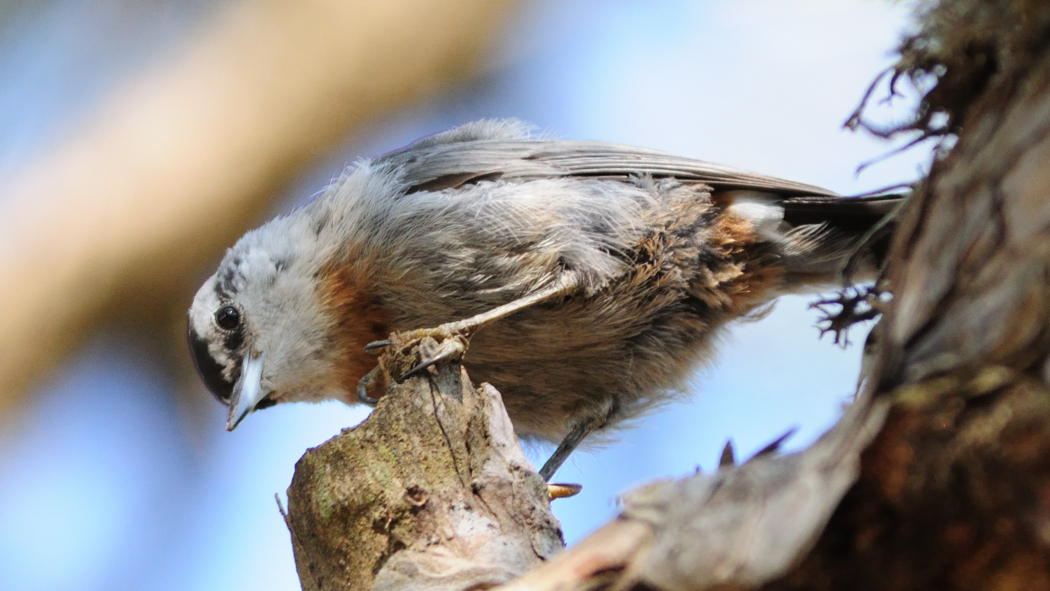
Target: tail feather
{"type": "Point", "coordinates": [815, 237]}
{"type": "Point", "coordinates": [852, 214]}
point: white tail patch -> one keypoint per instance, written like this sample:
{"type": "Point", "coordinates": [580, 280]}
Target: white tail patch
{"type": "Point", "coordinates": [762, 210]}
{"type": "Point", "coordinates": [810, 249]}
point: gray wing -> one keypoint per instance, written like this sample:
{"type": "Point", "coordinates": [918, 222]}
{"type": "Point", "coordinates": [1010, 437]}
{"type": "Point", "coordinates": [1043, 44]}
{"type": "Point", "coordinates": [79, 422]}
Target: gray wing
{"type": "Point", "coordinates": [448, 161]}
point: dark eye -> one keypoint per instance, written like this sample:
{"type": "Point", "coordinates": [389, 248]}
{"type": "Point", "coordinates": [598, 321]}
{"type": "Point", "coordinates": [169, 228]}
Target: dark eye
{"type": "Point", "coordinates": [228, 318]}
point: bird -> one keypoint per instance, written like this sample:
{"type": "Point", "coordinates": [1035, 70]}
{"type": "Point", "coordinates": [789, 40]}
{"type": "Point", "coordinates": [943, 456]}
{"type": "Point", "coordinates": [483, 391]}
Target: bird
{"type": "Point", "coordinates": [591, 279]}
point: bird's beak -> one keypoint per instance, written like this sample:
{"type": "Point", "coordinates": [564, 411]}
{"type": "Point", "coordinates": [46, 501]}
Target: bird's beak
{"type": "Point", "coordinates": [248, 391]}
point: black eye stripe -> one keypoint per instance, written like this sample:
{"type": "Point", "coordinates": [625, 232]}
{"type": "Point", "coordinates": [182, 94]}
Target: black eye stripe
{"type": "Point", "coordinates": [234, 340]}
{"type": "Point", "coordinates": [209, 370]}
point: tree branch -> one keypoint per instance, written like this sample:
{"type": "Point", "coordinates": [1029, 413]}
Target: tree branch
{"type": "Point", "coordinates": [432, 491]}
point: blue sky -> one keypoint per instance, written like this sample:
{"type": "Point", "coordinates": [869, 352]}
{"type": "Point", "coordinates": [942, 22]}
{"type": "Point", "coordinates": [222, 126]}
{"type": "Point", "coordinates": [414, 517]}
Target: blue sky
{"type": "Point", "coordinates": [104, 486]}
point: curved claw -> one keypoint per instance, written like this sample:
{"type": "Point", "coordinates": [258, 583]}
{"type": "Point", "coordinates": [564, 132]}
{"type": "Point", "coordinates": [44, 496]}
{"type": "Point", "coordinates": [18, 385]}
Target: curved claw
{"type": "Point", "coordinates": [362, 388]}
{"type": "Point", "coordinates": [563, 491]}
{"type": "Point", "coordinates": [376, 345]}
{"type": "Point", "coordinates": [448, 349]}
{"type": "Point", "coordinates": [442, 356]}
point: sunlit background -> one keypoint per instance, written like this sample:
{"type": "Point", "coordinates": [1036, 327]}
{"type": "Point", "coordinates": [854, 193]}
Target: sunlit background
{"type": "Point", "coordinates": [115, 470]}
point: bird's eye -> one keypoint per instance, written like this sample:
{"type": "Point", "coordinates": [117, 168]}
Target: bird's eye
{"type": "Point", "coordinates": [228, 318]}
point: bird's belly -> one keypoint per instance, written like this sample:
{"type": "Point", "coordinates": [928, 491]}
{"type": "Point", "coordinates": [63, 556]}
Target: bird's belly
{"type": "Point", "coordinates": [556, 363]}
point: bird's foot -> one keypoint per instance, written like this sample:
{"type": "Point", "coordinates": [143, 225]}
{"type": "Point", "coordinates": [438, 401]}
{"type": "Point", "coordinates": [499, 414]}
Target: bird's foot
{"type": "Point", "coordinates": [450, 347]}
{"type": "Point", "coordinates": [367, 383]}
{"type": "Point", "coordinates": [447, 342]}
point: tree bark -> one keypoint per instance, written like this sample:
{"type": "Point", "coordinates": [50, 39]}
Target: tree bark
{"type": "Point", "coordinates": [432, 491]}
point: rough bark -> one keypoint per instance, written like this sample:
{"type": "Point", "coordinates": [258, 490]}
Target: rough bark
{"type": "Point", "coordinates": [939, 475]}
{"type": "Point", "coordinates": [738, 528]}
{"type": "Point", "coordinates": [432, 491]}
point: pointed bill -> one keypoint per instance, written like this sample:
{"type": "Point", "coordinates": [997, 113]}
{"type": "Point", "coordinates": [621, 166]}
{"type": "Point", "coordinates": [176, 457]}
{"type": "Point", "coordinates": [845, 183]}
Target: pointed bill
{"type": "Point", "coordinates": [248, 391]}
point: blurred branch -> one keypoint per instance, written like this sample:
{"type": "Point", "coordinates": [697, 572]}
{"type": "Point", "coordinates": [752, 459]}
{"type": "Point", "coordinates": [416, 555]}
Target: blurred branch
{"type": "Point", "coordinates": [176, 163]}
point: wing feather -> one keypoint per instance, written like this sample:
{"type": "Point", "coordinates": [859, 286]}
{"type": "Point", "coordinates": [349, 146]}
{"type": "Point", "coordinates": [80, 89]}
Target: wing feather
{"type": "Point", "coordinates": [433, 165]}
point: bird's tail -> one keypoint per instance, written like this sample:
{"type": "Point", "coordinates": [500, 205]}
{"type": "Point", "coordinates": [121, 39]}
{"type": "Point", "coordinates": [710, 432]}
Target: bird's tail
{"type": "Point", "coordinates": [818, 238]}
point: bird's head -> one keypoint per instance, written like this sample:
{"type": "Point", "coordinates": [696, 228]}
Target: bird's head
{"type": "Point", "coordinates": [278, 322]}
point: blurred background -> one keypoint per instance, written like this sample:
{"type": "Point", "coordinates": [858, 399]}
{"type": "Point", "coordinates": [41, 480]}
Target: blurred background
{"type": "Point", "coordinates": [140, 138]}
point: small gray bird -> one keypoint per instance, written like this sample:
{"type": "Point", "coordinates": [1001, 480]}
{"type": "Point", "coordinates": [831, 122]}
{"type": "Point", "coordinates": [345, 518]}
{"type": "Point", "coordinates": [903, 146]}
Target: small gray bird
{"type": "Point", "coordinates": [591, 278]}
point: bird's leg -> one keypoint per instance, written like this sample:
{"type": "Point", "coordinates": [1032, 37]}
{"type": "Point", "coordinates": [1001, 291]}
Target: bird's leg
{"type": "Point", "coordinates": [454, 336]}
{"type": "Point", "coordinates": [572, 440]}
